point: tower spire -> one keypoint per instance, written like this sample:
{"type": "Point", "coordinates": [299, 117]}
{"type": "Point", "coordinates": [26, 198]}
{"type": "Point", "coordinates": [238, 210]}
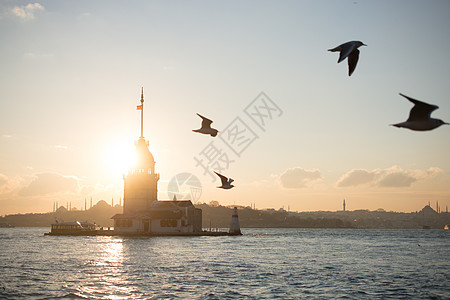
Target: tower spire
{"type": "Point", "coordinates": [142, 112]}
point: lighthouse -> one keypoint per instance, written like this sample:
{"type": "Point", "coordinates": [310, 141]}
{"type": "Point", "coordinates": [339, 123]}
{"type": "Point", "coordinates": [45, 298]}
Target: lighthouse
{"type": "Point", "coordinates": [235, 228]}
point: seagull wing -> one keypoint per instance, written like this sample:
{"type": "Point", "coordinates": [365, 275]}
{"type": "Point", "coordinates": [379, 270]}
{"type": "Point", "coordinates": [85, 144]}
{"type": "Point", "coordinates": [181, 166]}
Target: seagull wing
{"type": "Point", "coordinates": [346, 49]}
{"type": "Point", "coordinates": [352, 61]}
{"type": "Point", "coordinates": [420, 110]}
{"type": "Point", "coordinates": [206, 123]}
{"type": "Point", "coordinates": [222, 178]}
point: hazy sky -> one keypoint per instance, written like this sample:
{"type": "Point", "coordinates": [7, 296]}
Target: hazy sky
{"type": "Point", "coordinates": [71, 74]}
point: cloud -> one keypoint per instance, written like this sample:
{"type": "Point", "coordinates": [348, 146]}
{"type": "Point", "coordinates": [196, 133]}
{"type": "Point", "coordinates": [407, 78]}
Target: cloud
{"type": "Point", "coordinates": [27, 12]}
{"type": "Point", "coordinates": [85, 15]}
{"type": "Point", "coordinates": [50, 183]}
{"type": "Point", "coordinates": [3, 180]}
{"type": "Point", "coordinates": [397, 179]}
{"type": "Point", "coordinates": [296, 178]}
{"type": "Point", "coordinates": [391, 177]}
{"type": "Point", "coordinates": [8, 184]}
{"type": "Point", "coordinates": [355, 178]}
{"type": "Point", "coordinates": [61, 147]}
{"type": "Point", "coordinates": [89, 189]}
{"type": "Point", "coordinates": [37, 56]}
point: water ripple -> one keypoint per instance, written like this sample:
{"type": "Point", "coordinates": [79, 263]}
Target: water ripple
{"type": "Point", "coordinates": [262, 264]}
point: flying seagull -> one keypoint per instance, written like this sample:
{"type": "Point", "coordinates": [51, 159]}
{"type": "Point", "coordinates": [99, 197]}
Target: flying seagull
{"type": "Point", "coordinates": [419, 116]}
{"type": "Point", "coordinates": [206, 127]}
{"type": "Point", "coordinates": [226, 183]}
{"type": "Point", "coordinates": [350, 50]}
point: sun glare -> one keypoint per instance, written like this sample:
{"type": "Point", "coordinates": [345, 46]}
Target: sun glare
{"type": "Point", "coordinates": [119, 157]}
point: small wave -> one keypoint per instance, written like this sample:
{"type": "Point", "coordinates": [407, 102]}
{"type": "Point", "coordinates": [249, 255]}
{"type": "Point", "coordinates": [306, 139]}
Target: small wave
{"type": "Point", "coordinates": [72, 296]}
{"type": "Point", "coordinates": [208, 296]}
{"type": "Point", "coordinates": [234, 294]}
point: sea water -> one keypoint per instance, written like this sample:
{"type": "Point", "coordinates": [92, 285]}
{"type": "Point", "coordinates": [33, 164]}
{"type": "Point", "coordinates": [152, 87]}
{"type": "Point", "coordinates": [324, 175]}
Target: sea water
{"type": "Point", "coordinates": [260, 264]}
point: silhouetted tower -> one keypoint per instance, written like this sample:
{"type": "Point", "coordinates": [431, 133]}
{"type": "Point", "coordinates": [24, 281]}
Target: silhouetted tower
{"type": "Point", "coordinates": [141, 182]}
{"type": "Point", "coordinates": [85, 204]}
{"type": "Point", "coordinates": [112, 202]}
{"type": "Point", "coordinates": [343, 205]}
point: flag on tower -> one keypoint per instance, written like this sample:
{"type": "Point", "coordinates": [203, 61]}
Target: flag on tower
{"type": "Point", "coordinates": [139, 107]}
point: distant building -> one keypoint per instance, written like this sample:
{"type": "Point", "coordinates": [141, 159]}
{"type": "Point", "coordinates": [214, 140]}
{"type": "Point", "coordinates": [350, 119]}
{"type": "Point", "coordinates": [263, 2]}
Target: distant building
{"type": "Point", "coordinates": [428, 217]}
{"type": "Point", "coordinates": [143, 213]}
{"type": "Point", "coordinates": [428, 213]}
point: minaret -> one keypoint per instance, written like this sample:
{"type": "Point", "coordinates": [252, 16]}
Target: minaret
{"type": "Point", "coordinates": [343, 205]}
{"type": "Point", "coordinates": [141, 182]}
